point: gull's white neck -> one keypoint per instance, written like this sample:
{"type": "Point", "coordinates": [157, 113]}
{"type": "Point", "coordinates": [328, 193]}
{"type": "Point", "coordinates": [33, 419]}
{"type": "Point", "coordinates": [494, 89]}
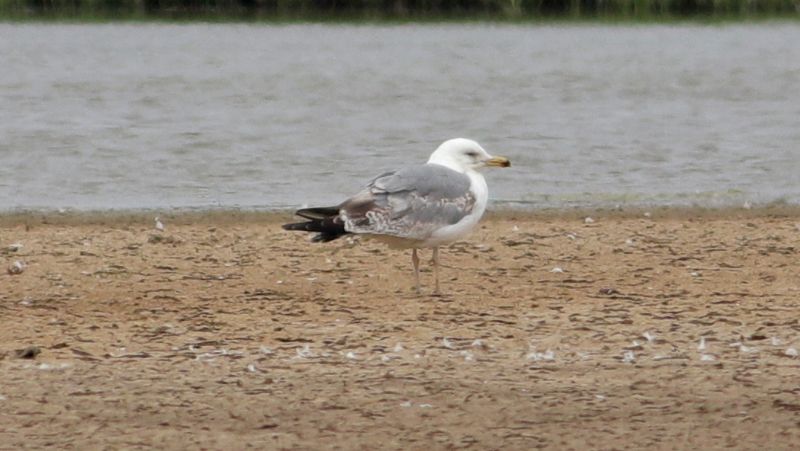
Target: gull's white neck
{"type": "Point", "coordinates": [480, 190]}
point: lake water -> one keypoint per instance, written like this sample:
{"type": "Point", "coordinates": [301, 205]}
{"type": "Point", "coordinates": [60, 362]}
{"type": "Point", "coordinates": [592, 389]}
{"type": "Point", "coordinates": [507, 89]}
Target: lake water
{"type": "Point", "coordinates": [130, 116]}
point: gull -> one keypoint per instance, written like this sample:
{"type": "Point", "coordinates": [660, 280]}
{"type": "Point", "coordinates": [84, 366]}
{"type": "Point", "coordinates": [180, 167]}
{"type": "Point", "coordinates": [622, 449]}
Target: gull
{"type": "Point", "coordinates": [422, 206]}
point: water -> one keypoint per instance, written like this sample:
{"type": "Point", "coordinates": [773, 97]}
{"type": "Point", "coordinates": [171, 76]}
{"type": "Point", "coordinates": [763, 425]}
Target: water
{"type": "Point", "coordinates": [263, 116]}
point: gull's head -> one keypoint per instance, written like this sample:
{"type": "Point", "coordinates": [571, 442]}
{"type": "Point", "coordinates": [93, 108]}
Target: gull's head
{"type": "Point", "coordinates": [462, 155]}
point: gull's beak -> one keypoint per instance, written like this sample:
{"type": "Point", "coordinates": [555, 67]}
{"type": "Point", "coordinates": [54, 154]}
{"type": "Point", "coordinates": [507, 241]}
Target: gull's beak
{"type": "Point", "coordinates": [500, 162]}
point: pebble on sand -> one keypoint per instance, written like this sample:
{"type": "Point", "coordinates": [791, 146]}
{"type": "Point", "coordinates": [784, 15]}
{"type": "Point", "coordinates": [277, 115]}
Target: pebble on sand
{"type": "Point", "coordinates": [29, 352]}
{"type": "Point", "coordinates": [16, 268]}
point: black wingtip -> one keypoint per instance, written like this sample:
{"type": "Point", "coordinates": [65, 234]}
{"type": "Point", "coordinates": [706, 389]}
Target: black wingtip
{"type": "Point", "coordinates": [324, 220]}
{"type": "Point", "coordinates": [308, 226]}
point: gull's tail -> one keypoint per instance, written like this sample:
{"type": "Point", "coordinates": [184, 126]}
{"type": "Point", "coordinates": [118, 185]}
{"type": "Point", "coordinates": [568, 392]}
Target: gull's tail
{"type": "Point", "coordinates": [324, 220]}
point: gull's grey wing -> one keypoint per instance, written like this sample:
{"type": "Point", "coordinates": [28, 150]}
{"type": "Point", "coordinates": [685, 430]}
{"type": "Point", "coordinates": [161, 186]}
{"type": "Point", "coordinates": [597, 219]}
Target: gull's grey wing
{"type": "Point", "coordinates": [409, 203]}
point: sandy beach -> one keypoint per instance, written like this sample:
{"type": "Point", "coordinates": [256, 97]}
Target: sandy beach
{"type": "Point", "coordinates": [660, 330]}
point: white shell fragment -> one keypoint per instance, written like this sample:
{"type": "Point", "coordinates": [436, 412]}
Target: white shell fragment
{"type": "Point", "coordinates": [628, 357]}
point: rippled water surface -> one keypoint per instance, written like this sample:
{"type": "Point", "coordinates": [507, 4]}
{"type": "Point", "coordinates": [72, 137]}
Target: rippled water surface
{"type": "Point", "coordinates": [265, 116]}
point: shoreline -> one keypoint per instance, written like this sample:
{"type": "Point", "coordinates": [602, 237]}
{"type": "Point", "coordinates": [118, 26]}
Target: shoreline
{"type": "Point", "coordinates": [183, 216]}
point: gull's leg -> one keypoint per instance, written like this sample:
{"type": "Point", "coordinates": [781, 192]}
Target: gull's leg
{"type": "Point", "coordinates": [436, 268]}
{"type": "Point", "coordinates": [415, 261]}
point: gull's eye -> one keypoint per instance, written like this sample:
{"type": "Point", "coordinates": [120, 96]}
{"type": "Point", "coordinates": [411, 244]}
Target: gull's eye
{"type": "Point", "coordinates": [472, 154]}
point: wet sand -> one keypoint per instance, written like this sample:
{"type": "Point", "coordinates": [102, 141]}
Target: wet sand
{"type": "Point", "coordinates": [677, 330]}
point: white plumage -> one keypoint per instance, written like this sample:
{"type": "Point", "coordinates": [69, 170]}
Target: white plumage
{"type": "Point", "coordinates": [423, 206]}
